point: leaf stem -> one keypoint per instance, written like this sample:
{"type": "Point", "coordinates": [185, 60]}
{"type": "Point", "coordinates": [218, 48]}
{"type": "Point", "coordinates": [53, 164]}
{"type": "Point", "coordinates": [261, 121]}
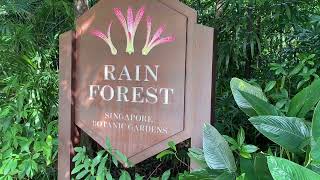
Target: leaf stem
{"type": "Point", "coordinates": [175, 154]}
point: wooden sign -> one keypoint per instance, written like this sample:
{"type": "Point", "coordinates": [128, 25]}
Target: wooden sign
{"type": "Point", "coordinates": [137, 72]}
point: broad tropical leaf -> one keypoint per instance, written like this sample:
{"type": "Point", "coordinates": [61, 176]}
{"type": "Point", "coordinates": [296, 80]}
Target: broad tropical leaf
{"type": "Point", "coordinates": [261, 167]}
{"type": "Point", "coordinates": [289, 132]}
{"type": "Point", "coordinates": [305, 100]}
{"type": "Point", "coordinates": [196, 155]}
{"type": "Point", "coordinates": [207, 174]}
{"type": "Point", "coordinates": [238, 85]}
{"type": "Point", "coordinates": [217, 153]}
{"type": "Point", "coordinates": [315, 167]}
{"type": "Point", "coordinates": [261, 107]}
{"type": "Point", "coordinates": [282, 169]}
{"type": "Point", "coordinates": [315, 139]}
{"type": "Point", "coordinates": [247, 168]}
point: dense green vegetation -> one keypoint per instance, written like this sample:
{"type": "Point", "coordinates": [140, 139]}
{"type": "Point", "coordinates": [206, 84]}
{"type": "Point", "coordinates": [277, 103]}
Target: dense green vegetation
{"type": "Point", "coordinates": [273, 44]}
{"type": "Point", "coordinates": [29, 34]}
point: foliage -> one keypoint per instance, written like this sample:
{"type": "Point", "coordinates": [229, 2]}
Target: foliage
{"type": "Point", "coordinates": [315, 135]}
{"type": "Point", "coordinates": [101, 166]}
{"type": "Point", "coordinates": [216, 150]}
{"type": "Point", "coordinates": [244, 150]}
{"type": "Point", "coordinates": [292, 134]}
{"type": "Point", "coordinates": [262, 166]}
{"type": "Point", "coordinates": [282, 169]}
{"type": "Point", "coordinates": [29, 86]}
{"type": "Point", "coordinates": [274, 43]}
{"type": "Point", "coordinates": [172, 151]}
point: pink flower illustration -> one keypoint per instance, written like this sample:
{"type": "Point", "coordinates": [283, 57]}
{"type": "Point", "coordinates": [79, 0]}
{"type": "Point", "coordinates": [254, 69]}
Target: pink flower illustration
{"type": "Point", "coordinates": [106, 38]}
{"type": "Point", "coordinates": [156, 39]}
{"type": "Point", "coordinates": [130, 25]}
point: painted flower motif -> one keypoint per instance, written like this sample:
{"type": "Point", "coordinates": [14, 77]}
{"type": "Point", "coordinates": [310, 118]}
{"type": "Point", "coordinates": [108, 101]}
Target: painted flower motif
{"type": "Point", "coordinates": [156, 39]}
{"type": "Point", "coordinates": [130, 25]}
{"type": "Point", "coordinates": [106, 38]}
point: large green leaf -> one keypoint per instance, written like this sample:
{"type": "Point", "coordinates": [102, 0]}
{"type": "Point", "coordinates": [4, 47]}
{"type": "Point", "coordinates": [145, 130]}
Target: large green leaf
{"type": "Point", "coordinates": [305, 100]}
{"type": "Point", "coordinates": [315, 167]}
{"type": "Point", "coordinates": [246, 167]}
{"type": "Point", "coordinates": [238, 85]}
{"type": "Point", "coordinates": [260, 106]}
{"type": "Point", "coordinates": [289, 132]}
{"type": "Point", "coordinates": [197, 156]}
{"type": "Point", "coordinates": [216, 150]}
{"type": "Point", "coordinates": [315, 132]}
{"type": "Point", "coordinates": [282, 169]}
{"type": "Point", "coordinates": [206, 174]}
{"type": "Point", "coordinates": [261, 167]}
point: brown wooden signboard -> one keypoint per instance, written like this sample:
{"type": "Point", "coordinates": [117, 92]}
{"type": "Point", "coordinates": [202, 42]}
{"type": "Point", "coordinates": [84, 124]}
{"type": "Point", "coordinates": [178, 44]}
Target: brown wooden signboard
{"type": "Point", "coordinates": [138, 72]}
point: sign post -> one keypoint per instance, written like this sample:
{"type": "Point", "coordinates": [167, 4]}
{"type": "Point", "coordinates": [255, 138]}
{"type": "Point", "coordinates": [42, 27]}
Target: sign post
{"type": "Point", "coordinates": [137, 72]}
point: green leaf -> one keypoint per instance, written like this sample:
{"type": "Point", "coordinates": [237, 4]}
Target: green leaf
{"type": "Point", "coordinates": [289, 132]}
{"type": "Point", "coordinates": [247, 168]}
{"type": "Point", "coordinates": [77, 169]}
{"type": "Point", "coordinates": [164, 153]}
{"type": "Point", "coordinates": [315, 133]}
{"type": "Point", "coordinates": [288, 10]}
{"type": "Point", "coordinates": [242, 177]}
{"type": "Point", "coordinates": [231, 141]}
{"type": "Point", "coordinates": [109, 176]}
{"type": "Point", "coordinates": [216, 150]}
{"type": "Point", "coordinates": [206, 174]}
{"type": "Point", "coordinates": [260, 106]}
{"type": "Point", "coordinates": [36, 156]}
{"type": "Point", "coordinates": [305, 100]}
{"type": "Point", "coordinates": [252, 48]}
{"type": "Point", "coordinates": [8, 166]}
{"type": "Point", "coordinates": [282, 169]}
{"type": "Point", "coordinates": [108, 145]}
{"type": "Point", "coordinates": [76, 157]}
{"type": "Point", "coordinates": [166, 175]}
{"type": "Point", "coordinates": [241, 136]}
{"type": "Point", "coordinates": [24, 143]}
{"type": "Point", "coordinates": [102, 166]}
{"type": "Point", "coordinates": [315, 167]}
{"type": "Point", "coordinates": [138, 177]}
{"type": "Point", "coordinates": [245, 154]}
{"type": "Point", "coordinates": [125, 176]}
{"type": "Point", "coordinates": [196, 155]}
{"type": "Point", "coordinates": [261, 167]}
{"type": "Point", "coordinates": [296, 70]}
{"type": "Point", "coordinates": [47, 151]}
{"type": "Point", "coordinates": [249, 148]}
{"type": "Point", "coordinates": [79, 149]}
{"type": "Point", "coordinates": [97, 159]}
{"type": "Point", "coordinates": [82, 174]}
{"type": "Point", "coordinates": [238, 85]}
{"type": "Point", "coordinates": [172, 145]}
{"type": "Point", "coordinates": [122, 157]}
{"type": "Point", "coordinates": [114, 160]}
{"type": "Point", "coordinates": [270, 85]}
